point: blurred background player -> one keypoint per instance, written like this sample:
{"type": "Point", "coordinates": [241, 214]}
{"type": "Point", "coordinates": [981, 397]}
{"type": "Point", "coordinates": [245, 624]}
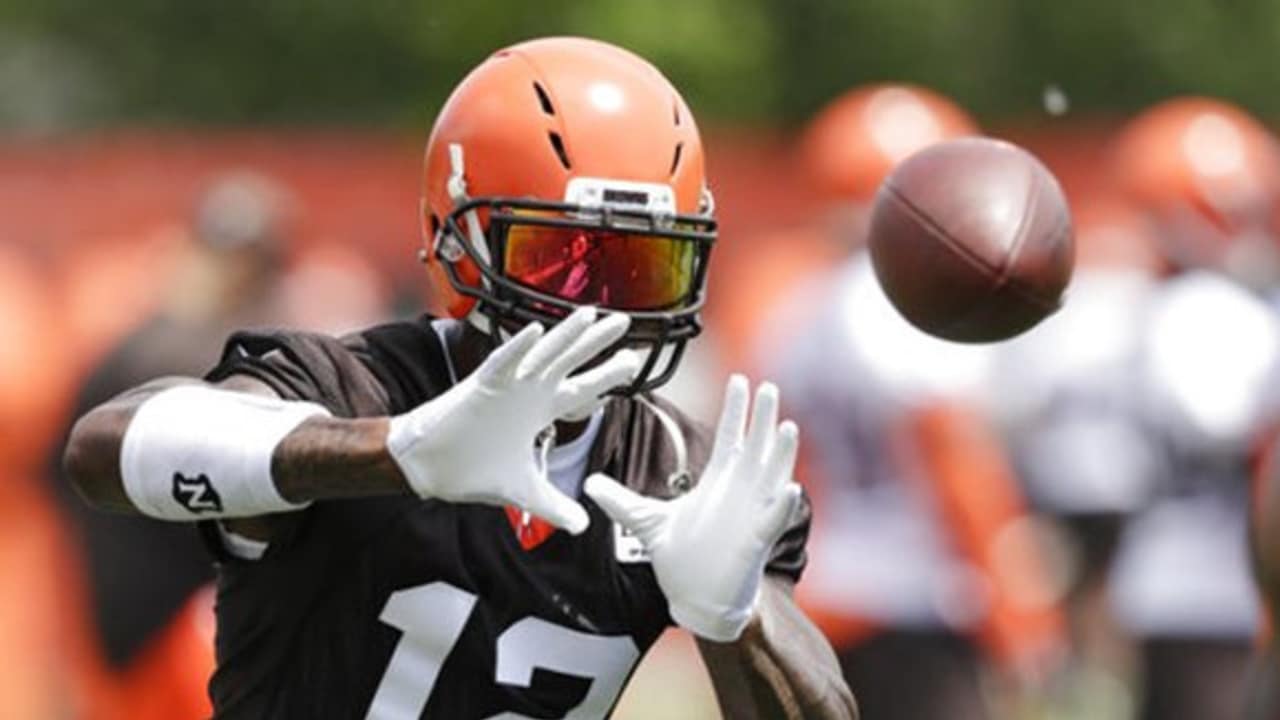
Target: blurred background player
{"type": "Point", "coordinates": [33, 378]}
{"type": "Point", "coordinates": [148, 648]}
{"type": "Point", "coordinates": [1132, 414]}
{"type": "Point", "coordinates": [1208, 177]}
{"type": "Point", "coordinates": [1078, 440]}
{"type": "Point", "coordinates": [919, 544]}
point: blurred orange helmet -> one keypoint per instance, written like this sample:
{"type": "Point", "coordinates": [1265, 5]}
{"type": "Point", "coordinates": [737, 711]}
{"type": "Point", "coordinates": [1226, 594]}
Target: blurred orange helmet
{"type": "Point", "coordinates": [860, 136]}
{"type": "Point", "coordinates": [565, 172]}
{"type": "Point", "coordinates": [1208, 174]}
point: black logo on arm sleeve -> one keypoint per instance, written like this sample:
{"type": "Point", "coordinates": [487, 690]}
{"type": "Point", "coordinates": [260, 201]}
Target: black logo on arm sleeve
{"type": "Point", "coordinates": [196, 494]}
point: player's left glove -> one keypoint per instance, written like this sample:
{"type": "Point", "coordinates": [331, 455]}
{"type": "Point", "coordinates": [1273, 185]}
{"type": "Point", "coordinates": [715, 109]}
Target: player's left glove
{"type": "Point", "coordinates": [709, 547]}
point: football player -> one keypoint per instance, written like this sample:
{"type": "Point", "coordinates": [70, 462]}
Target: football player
{"type": "Point", "coordinates": [1078, 441]}
{"type": "Point", "coordinates": [34, 383]}
{"type": "Point", "coordinates": [483, 513]}
{"type": "Point", "coordinates": [1207, 177]}
{"type": "Point", "coordinates": [918, 513]}
{"type": "Point", "coordinates": [1135, 410]}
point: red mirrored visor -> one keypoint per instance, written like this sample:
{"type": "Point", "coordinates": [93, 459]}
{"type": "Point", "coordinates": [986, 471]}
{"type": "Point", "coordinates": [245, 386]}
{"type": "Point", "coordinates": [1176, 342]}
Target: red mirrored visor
{"type": "Point", "coordinates": [608, 267]}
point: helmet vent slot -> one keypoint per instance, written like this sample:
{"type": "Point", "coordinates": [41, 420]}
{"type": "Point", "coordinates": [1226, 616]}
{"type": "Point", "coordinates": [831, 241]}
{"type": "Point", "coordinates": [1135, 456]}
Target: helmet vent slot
{"type": "Point", "coordinates": [675, 160]}
{"type": "Point", "coordinates": [675, 112]}
{"type": "Point", "coordinates": [543, 99]}
{"type": "Point", "coordinates": [558, 144]}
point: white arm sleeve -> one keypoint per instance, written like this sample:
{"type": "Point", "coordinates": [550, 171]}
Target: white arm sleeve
{"type": "Point", "coordinates": [194, 452]}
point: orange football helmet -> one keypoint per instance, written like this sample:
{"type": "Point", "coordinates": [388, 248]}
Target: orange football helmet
{"type": "Point", "coordinates": [565, 172]}
{"type": "Point", "coordinates": [1208, 175]}
{"type": "Point", "coordinates": [860, 136]}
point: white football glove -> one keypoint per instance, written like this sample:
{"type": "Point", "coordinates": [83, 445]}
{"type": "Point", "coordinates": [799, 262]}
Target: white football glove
{"type": "Point", "coordinates": [709, 547]}
{"type": "Point", "coordinates": [476, 442]}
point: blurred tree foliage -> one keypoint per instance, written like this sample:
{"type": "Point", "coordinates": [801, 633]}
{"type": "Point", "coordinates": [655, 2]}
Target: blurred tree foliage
{"type": "Point", "coordinates": [71, 63]}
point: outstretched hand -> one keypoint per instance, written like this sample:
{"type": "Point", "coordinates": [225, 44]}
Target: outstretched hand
{"type": "Point", "coordinates": [709, 547]}
{"type": "Point", "coordinates": [475, 442]}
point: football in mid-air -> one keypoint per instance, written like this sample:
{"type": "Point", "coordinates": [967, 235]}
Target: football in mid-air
{"type": "Point", "coordinates": [972, 240]}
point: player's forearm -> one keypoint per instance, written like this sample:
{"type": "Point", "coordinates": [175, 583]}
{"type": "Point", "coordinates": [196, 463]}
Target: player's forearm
{"type": "Point", "coordinates": [327, 458]}
{"type": "Point", "coordinates": [781, 667]}
{"type": "Point", "coordinates": [322, 457]}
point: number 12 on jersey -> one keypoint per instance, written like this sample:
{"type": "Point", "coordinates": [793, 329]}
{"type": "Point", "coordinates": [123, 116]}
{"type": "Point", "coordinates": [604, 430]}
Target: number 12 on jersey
{"type": "Point", "coordinates": [431, 618]}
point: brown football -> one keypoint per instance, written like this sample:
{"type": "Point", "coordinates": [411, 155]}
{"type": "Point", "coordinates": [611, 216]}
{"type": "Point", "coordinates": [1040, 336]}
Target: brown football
{"type": "Point", "coordinates": [972, 240]}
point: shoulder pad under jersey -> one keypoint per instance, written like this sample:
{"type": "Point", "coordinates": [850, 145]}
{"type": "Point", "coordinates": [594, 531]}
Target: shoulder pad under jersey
{"type": "Point", "coordinates": [1210, 352]}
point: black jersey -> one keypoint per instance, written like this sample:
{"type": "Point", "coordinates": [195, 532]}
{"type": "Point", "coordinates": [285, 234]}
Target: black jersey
{"type": "Point", "coordinates": [398, 607]}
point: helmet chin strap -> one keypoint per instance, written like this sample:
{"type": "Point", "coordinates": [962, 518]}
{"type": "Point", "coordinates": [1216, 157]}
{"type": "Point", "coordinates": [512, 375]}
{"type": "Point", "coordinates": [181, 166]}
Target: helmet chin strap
{"type": "Point", "coordinates": [457, 187]}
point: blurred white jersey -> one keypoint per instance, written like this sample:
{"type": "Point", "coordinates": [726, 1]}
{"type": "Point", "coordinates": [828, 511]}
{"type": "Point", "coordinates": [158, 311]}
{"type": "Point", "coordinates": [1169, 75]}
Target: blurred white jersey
{"type": "Point", "coordinates": [1208, 370]}
{"type": "Point", "coordinates": [1066, 404]}
{"type": "Point", "coordinates": [1142, 399]}
{"type": "Point", "coordinates": [849, 366]}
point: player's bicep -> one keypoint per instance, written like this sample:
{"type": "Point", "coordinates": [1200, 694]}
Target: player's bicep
{"type": "Point", "coordinates": [113, 416]}
{"type": "Point", "coordinates": [246, 384]}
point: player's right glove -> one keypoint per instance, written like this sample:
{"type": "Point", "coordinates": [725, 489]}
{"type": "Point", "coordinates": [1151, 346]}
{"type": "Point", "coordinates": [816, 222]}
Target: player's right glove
{"type": "Point", "coordinates": [476, 442]}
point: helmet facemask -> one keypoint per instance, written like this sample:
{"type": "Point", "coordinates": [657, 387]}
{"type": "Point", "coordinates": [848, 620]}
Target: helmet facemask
{"type": "Point", "coordinates": [614, 244]}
